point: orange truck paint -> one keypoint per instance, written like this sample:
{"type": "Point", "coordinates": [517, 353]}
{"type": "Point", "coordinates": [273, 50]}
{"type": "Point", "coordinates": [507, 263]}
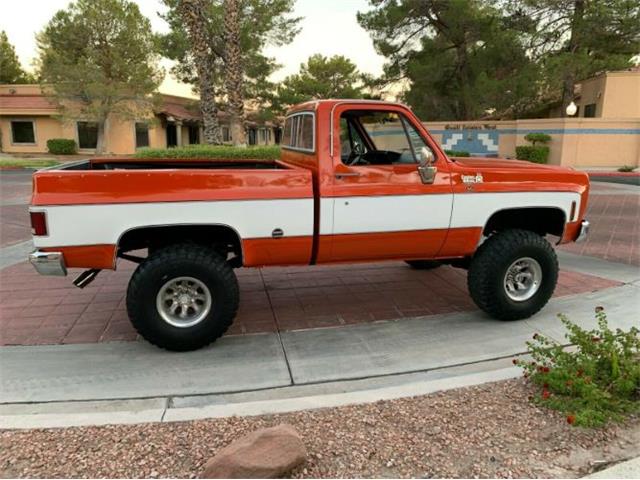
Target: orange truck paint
{"type": "Point", "coordinates": [88, 256]}
{"type": "Point", "coordinates": [316, 183]}
{"type": "Point", "coordinates": [277, 251]}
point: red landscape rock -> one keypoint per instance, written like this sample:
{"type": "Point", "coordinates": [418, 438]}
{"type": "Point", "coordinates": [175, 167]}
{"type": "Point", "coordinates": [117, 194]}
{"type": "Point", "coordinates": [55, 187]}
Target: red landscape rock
{"type": "Point", "coordinates": [266, 453]}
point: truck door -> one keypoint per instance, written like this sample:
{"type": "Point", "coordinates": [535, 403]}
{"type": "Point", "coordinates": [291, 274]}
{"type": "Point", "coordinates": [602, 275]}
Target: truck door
{"type": "Point", "coordinates": [392, 195]}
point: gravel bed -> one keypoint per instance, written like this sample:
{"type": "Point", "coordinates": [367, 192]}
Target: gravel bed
{"type": "Point", "coordinates": [490, 430]}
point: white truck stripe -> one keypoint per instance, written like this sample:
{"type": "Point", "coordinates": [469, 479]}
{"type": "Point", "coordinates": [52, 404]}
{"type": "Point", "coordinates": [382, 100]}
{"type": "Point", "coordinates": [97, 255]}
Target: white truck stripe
{"type": "Point", "coordinates": [104, 224]}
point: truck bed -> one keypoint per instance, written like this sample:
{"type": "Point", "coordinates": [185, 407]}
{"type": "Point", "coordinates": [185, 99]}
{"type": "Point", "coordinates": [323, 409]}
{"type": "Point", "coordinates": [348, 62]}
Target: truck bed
{"type": "Point", "coordinates": [171, 164]}
{"type": "Point", "coordinates": [115, 180]}
{"type": "Point", "coordinates": [90, 205]}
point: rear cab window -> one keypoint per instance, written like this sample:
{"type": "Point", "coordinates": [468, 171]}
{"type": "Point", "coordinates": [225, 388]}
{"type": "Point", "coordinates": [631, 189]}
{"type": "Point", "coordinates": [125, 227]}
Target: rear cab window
{"type": "Point", "coordinates": [299, 132]}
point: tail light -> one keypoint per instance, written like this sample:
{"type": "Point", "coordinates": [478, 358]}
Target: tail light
{"type": "Point", "coordinates": [38, 223]}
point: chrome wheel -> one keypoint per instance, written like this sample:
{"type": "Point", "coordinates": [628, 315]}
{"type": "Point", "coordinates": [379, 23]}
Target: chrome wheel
{"type": "Point", "coordinates": [183, 302]}
{"type": "Point", "coordinates": [523, 279]}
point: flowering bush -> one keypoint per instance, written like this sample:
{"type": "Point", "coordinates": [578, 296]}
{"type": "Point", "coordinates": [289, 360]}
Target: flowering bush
{"type": "Point", "coordinates": [597, 381]}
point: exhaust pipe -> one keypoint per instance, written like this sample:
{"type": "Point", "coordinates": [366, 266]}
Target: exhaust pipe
{"type": "Point", "coordinates": [86, 277]}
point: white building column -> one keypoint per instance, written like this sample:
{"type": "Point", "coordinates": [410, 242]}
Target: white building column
{"type": "Point", "coordinates": [178, 133]}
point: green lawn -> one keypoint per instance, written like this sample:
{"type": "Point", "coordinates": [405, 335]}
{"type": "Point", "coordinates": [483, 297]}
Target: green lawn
{"type": "Point", "coordinates": [27, 162]}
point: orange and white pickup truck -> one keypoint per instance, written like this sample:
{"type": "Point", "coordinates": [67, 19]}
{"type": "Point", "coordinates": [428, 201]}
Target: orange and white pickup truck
{"type": "Point", "coordinates": [357, 181]}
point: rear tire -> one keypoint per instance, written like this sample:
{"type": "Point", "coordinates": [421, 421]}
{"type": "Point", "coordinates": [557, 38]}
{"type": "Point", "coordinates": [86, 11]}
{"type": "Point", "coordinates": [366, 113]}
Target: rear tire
{"type": "Point", "coordinates": [513, 274]}
{"type": "Point", "coordinates": [423, 264]}
{"type": "Point", "coordinates": [182, 297]}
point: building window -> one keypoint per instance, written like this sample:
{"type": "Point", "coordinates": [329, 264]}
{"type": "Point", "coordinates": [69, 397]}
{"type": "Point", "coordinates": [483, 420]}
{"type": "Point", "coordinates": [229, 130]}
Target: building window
{"type": "Point", "coordinates": [23, 131]}
{"type": "Point", "coordinates": [142, 134]}
{"type": "Point", "coordinates": [87, 135]}
{"type": "Point", "coordinates": [262, 136]}
{"type": "Point", "coordinates": [226, 134]}
{"type": "Point", "coordinates": [194, 134]}
{"type": "Point", "coordinates": [590, 110]}
{"type": "Point", "coordinates": [299, 132]}
{"type": "Point", "coordinates": [251, 136]}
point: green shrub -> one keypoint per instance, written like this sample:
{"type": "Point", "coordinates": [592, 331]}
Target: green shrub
{"type": "Point", "coordinates": [537, 138]}
{"type": "Point", "coordinates": [61, 146]}
{"type": "Point", "coordinates": [456, 153]}
{"type": "Point", "coordinates": [533, 153]}
{"type": "Point", "coordinates": [626, 168]}
{"type": "Point", "coordinates": [269, 152]}
{"type": "Point", "coordinates": [597, 382]}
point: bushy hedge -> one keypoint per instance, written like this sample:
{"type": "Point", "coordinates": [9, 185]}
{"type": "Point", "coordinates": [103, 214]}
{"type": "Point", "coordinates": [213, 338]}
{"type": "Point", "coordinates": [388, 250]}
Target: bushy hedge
{"type": "Point", "coordinates": [535, 138]}
{"type": "Point", "coordinates": [533, 153]}
{"type": "Point", "coordinates": [61, 146]}
{"type": "Point", "coordinates": [270, 152]}
{"type": "Point", "coordinates": [456, 153]}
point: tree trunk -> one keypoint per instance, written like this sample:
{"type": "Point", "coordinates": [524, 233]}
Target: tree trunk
{"type": "Point", "coordinates": [209, 109]}
{"type": "Point", "coordinates": [466, 110]}
{"type": "Point", "coordinates": [101, 144]}
{"type": "Point", "coordinates": [569, 79]}
{"type": "Point", "coordinates": [194, 14]}
{"type": "Point", "coordinates": [234, 74]}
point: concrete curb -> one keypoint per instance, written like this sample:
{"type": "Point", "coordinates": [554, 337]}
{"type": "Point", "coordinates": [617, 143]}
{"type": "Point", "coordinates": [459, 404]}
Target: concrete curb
{"type": "Point", "coordinates": [628, 469]}
{"type": "Point", "coordinates": [75, 414]}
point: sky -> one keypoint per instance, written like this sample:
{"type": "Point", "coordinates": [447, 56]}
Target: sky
{"type": "Point", "coordinates": [329, 27]}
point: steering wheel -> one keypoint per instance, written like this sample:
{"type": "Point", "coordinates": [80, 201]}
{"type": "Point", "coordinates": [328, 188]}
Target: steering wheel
{"type": "Point", "coordinates": [356, 155]}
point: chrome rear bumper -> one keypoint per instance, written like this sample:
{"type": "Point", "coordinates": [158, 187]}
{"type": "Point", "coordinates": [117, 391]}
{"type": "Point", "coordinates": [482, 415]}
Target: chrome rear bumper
{"type": "Point", "coordinates": [48, 263]}
{"type": "Point", "coordinates": [584, 231]}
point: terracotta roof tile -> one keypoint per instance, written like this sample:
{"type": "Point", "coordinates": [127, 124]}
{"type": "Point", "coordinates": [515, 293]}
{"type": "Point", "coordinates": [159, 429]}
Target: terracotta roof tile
{"type": "Point", "coordinates": [180, 112]}
{"type": "Point", "coordinates": [17, 102]}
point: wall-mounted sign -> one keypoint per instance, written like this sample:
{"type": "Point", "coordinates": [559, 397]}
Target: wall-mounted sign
{"type": "Point", "coordinates": [459, 126]}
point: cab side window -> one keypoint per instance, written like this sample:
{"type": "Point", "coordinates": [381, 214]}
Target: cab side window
{"type": "Point", "coordinates": [370, 137]}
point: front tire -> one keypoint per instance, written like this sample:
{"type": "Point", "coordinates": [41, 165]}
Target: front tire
{"type": "Point", "coordinates": [183, 297]}
{"type": "Point", "coordinates": [513, 274]}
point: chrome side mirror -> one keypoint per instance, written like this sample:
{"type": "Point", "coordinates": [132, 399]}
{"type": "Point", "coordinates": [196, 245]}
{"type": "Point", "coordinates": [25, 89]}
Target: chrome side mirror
{"type": "Point", "coordinates": [426, 169]}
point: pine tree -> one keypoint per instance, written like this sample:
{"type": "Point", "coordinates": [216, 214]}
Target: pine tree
{"type": "Point", "coordinates": [97, 60]}
{"type": "Point", "coordinates": [10, 69]}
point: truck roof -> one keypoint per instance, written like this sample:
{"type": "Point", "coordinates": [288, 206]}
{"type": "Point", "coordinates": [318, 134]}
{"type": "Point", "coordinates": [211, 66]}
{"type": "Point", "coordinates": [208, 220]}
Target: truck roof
{"type": "Point", "coordinates": [331, 102]}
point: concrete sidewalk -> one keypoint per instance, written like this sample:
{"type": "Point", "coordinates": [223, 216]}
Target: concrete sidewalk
{"type": "Point", "coordinates": [235, 364]}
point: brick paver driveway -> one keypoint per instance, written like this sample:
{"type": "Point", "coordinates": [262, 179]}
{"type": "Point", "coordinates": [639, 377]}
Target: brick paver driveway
{"type": "Point", "coordinates": [614, 213]}
{"type": "Point", "coordinates": [49, 310]}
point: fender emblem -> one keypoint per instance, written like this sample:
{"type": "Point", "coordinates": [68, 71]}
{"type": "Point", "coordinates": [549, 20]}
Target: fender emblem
{"type": "Point", "coordinates": [477, 178]}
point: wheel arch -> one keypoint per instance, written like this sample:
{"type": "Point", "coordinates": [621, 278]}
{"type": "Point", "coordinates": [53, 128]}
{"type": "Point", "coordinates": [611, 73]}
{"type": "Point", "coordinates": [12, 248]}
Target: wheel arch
{"type": "Point", "coordinates": [161, 235]}
{"type": "Point", "coordinates": [542, 220]}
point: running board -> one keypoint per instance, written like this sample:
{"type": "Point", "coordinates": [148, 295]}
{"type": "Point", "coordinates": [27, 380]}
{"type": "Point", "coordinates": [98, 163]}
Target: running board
{"type": "Point", "coordinates": [86, 277]}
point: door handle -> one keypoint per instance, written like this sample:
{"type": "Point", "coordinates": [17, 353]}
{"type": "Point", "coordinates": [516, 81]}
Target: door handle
{"type": "Point", "coordinates": [347, 174]}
